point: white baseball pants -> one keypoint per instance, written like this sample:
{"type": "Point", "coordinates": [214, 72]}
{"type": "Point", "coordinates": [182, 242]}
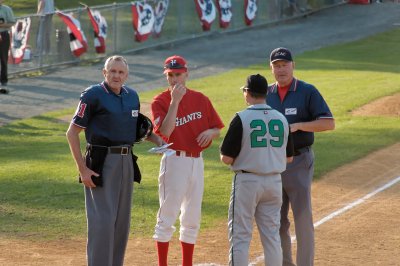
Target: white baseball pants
{"type": "Point", "coordinates": [181, 185]}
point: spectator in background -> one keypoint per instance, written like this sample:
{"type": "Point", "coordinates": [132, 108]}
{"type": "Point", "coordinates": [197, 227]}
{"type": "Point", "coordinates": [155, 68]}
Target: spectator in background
{"type": "Point", "coordinates": [7, 20]}
{"type": "Point", "coordinates": [275, 8]}
{"type": "Point", "coordinates": [293, 7]}
{"type": "Point", "coordinates": [297, 6]}
{"type": "Point", "coordinates": [45, 11]}
{"type": "Point", "coordinates": [304, 5]}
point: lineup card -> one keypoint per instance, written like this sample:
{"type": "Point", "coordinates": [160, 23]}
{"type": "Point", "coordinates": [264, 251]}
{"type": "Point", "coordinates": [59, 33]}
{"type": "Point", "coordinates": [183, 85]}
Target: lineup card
{"type": "Point", "coordinates": [161, 149]}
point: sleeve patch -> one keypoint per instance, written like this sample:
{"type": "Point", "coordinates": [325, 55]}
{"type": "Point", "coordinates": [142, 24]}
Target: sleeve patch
{"type": "Point", "coordinates": [81, 110]}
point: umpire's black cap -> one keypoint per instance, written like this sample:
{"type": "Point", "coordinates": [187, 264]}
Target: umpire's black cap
{"type": "Point", "coordinates": [257, 84]}
{"type": "Point", "coordinates": [280, 53]}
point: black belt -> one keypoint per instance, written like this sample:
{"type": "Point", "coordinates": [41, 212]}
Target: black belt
{"type": "Point", "coordinates": [119, 150]}
{"type": "Point", "coordinates": [242, 172]}
{"type": "Point", "coordinates": [123, 150]}
{"type": "Point", "coordinates": [301, 150]}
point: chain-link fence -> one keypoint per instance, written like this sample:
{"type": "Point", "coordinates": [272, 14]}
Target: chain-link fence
{"type": "Point", "coordinates": [181, 22]}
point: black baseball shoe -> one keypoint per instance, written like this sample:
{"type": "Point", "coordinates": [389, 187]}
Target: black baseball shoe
{"type": "Point", "coordinates": [3, 91]}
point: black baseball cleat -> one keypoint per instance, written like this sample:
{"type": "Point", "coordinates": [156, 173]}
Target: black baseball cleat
{"type": "Point", "coordinates": [3, 91]}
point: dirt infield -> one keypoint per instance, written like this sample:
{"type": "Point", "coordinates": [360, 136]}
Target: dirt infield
{"type": "Point", "coordinates": [385, 106]}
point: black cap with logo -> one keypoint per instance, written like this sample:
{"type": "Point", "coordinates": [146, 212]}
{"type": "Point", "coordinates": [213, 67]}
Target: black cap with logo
{"type": "Point", "coordinates": [280, 53]}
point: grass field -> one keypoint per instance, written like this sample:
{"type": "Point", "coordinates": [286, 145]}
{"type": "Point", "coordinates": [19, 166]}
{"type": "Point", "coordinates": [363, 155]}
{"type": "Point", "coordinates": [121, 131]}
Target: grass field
{"type": "Point", "coordinates": [41, 199]}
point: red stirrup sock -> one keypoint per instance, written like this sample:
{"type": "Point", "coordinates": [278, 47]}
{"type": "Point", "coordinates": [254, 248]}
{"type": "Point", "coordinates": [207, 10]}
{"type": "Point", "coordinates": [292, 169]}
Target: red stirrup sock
{"type": "Point", "coordinates": [162, 250]}
{"type": "Point", "coordinates": [187, 254]}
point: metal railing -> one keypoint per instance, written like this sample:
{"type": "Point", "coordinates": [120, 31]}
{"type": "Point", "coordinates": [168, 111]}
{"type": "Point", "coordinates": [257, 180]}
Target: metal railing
{"type": "Point", "coordinates": [181, 23]}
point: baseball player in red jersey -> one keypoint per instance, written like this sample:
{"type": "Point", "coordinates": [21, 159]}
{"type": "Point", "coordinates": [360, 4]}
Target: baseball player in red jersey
{"type": "Point", "coordinates": [187, 119]}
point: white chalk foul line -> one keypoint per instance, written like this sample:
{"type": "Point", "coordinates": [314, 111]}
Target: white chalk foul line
{"type": "Point", "coordinates": [340, 211]}
{"type": "Point", "coordinates": [357, 202]}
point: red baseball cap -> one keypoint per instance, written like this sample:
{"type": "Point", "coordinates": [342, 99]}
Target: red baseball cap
{"type": "Point", "coordinates": [175, 64]}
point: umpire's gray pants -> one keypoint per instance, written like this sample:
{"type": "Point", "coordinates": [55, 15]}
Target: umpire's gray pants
{"type": "Point", "coordinates": [108, 211]}
{"type": "Point", "coordinates": [296, 182]}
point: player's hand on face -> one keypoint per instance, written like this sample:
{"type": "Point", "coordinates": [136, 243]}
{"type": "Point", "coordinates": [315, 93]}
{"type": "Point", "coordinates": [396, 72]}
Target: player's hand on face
{"type": "Point", "coordinates": [204, 138]}
{"type": "Point", "coordinates": [86, 177]}
{"type": "Point", "coordinates": [178, 91]}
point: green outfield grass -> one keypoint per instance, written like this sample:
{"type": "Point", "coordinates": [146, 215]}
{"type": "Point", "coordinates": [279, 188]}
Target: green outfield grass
{"type": "Point", "coordinates": [41, 199]}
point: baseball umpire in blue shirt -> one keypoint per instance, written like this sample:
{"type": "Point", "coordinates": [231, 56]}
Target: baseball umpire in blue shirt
{"type": "Point", "coordinates": [307, 112]}
{"type": "Point", "coordinates": [109, 114]}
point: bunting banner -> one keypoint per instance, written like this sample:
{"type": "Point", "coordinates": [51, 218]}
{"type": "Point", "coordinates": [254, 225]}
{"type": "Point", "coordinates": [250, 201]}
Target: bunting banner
{"type": "Point", "coordinates": [19, 40]}
{"type": "Point", "coordinates": [207, 13]}
{"type": "Point", "coordinates": [160, 12]}
{"type": "Point", "coordinates": [250, 10]}
{"type": "Point", "coordinates": [99, 24]}
{"type": "Point", "coordinates": [225, 12]}
{"type": "Point", "coordinates": [143, 20]}
{"type": "Point", "coordinates": [77, 39]}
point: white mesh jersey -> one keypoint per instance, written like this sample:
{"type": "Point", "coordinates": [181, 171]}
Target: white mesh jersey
{"type": "Point", "coordinates": [264, 140]}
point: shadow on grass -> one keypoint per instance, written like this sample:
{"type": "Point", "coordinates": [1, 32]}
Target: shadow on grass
{"type": "Point", "coordinates": [37, 126]}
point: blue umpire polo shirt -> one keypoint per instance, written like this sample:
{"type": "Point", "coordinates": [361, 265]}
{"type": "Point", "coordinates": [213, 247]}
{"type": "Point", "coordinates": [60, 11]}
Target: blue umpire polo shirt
{"type": "Point", "coordinates": [107, 116]}
{"type": "Point", "coordinates": [302, 103]}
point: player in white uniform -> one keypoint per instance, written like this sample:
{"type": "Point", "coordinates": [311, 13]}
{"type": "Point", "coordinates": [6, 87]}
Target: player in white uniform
{"type": "Point", "coordinates": [257, 145]}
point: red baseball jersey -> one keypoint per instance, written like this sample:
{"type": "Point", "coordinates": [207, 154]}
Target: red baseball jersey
{"type": "Point", "coordinates": [195, 115]}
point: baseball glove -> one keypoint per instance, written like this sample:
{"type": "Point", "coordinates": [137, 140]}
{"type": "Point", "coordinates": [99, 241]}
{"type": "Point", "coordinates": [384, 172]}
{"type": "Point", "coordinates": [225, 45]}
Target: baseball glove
{"type": "Point", "coordinates": [144, 128]}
